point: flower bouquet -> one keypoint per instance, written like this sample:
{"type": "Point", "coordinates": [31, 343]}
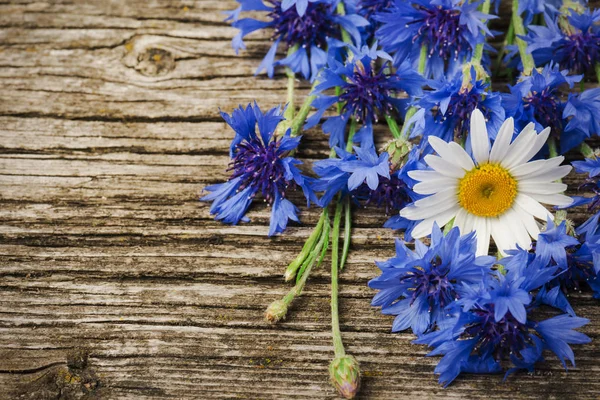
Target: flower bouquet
{"type": "Point", "coordinates": [468, 170]}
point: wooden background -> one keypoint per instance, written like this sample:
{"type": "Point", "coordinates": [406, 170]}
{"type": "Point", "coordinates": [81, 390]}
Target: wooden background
{"type": "Point", "coordinates": [116, 282]}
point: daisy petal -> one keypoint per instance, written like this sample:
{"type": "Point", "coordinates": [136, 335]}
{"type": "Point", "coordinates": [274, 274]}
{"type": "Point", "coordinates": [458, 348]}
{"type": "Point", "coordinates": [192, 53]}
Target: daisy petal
{"type": "Point", "coordinates": [424, 227]}
{"type": "Point", "coordinates": [452, 152]}
{"type": "Point", "coordinates": [502, 143]}
{"type": "Point", "coordinates": [532, 207]}
{"type": "Point", "coordinates": [444, 167]}
{"type": "Point", "coordinates": [535, 167]}
{"type": "Point", "coordinates": [480, 141]}
{"type": "Point", "coordinates": [531, 187]}
{"type": "Point", "coordinates": [553, 199]}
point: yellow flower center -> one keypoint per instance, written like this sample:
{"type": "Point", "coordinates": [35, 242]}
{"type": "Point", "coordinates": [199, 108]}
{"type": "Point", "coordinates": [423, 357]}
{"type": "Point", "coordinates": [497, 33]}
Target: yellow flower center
{"type": "Point", "coordinates": [487, 191]}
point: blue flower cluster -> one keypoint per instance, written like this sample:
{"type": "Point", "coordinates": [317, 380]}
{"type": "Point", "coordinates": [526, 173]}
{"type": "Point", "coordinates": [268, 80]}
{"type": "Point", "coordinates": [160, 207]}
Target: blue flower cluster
{"type": "Point", "coordinates": [479, 317]}
{"type": "Point", "coordinates": [367, 90]}
{"type": "Point", "coordinates": [423, 67]}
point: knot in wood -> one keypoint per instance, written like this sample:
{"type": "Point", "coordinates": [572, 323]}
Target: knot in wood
{"type": "Point", "coordinates": [155, 62]}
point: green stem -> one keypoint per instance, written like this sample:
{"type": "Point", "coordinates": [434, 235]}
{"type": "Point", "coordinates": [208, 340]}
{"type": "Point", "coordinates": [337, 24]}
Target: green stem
{"type": "Point", "coordinates": [351, 133]}
{"type": "Point", "coordinates": [297, 289]}
{"type": "Point", "coordinates": [478, 53]}
{"type": "Point", "coordinates": [553, 150]}
{"type": "Point", "coordinates": [289, 111]}
{"type": "Point", "coordinates": [290, 108]}
{"type": "Point", "coordinates": [510, 37]}
{"type": "Point", "coordinates": [422, 59]}
{"type": "Point", "coordinates": [586, 150]}
{"type": "Point", "coordinates": [552, 147]}
{"type": "Point", "coordinates": [341, 10]}
{"type": "Point", "coordinates": [338, 346]}
{"type": "Point", "coordinates": [299, 119]}
{"type": "Point", "coordinates": [347, 231]}
{"type": "Point", "coordinates": [394, 128]}
{"type": "Point", "coordinates": [308, 247]}
{"type": "Point", "coordinates": [597, 69]}
{"type": "Point", "coordinates": [526, 58]}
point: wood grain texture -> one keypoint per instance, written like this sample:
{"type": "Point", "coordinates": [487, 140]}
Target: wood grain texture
{"type": "Point", "coordinates": [116, 283]}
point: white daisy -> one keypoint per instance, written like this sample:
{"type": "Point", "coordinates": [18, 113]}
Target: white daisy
{"type": "Point", "coordinates": [495, 192]}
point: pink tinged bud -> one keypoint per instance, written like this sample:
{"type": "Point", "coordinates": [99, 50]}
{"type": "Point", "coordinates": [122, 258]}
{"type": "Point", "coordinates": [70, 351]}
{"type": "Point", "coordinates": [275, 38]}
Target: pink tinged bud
{"type": "Point", "coordinates": [345, 376]}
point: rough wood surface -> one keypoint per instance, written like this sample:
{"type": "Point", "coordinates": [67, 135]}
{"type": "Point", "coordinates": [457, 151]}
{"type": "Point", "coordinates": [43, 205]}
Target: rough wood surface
{"type": "Point", "coordinates": [116, 283]}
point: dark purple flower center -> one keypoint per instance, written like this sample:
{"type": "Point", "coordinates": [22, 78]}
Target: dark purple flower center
{"type": "Point", "coordinates": [547, 108]}
{"type": "Point", "coordinates": [261, 168]}
{"type": "Point", "coordinates": [390, 193]}
{"type": "Point", "coordinates": [432, 282]}
{"type": "Point", "coordinates": [503, 338]}
{"type": "Point", "coordinates": [440, 29]}
{"type": "Point", "coordinates": [313, 28]}
{"type": "Point", "coordinates": [367, 93]}
{"type": "Point", "coordinates": [580, 52]}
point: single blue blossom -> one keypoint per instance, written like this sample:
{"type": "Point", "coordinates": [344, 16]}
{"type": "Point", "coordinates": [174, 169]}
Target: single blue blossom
{"type": "Point", "coordinates": [367, 91]}
{"type": "Point", "coordinates": [449, 29]}
{"type": "Point", "coordinates": [366, 168]}
{"type": "Point", "coordinates": [417, 286]}
{"type": "Point", "coordinates": [260, 165]}
{"type": "Point", "coordinates": [307, 34]}
{"type": "Point", "coordinates": [552, 244]}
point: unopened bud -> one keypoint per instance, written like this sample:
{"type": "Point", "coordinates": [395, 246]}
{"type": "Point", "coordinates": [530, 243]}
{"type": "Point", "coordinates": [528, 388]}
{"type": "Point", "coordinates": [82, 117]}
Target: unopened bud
{"type": "Point", "coordinates": [345, 375]}
{"type": "Point", "coordinates": [398, 149]}
{"type": "Point", "coordinates": [276, 311]}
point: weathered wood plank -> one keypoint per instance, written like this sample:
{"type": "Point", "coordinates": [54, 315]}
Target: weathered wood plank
{"type": "Point", "coordinates": [105, 250]}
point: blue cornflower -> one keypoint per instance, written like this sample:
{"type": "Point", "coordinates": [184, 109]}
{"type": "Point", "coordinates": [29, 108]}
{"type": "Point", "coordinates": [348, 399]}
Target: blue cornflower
{"type": "Point", "coordinates": [553, 243]}
{"type": "Point", "coordinates": [308, 33]}
{"type": "Point", "coordinates": [495, 326]}
{"type": "Point", "coordinates": [537, 99]}
{"type": "Point", "coordinates": [417, 286]}
{"type": "Point", "coordinates": [260, 164]}
{"type": "Point", "coordinates": [366, 90]}
{"type": "Point", "coordinates": [451, 29]}
{"type": "Point", "coordinates": [445, 111]}
{"type": "Point", "coordinates": [366, 168]}
{"type": "Point", "coordinates": [575, 45]}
